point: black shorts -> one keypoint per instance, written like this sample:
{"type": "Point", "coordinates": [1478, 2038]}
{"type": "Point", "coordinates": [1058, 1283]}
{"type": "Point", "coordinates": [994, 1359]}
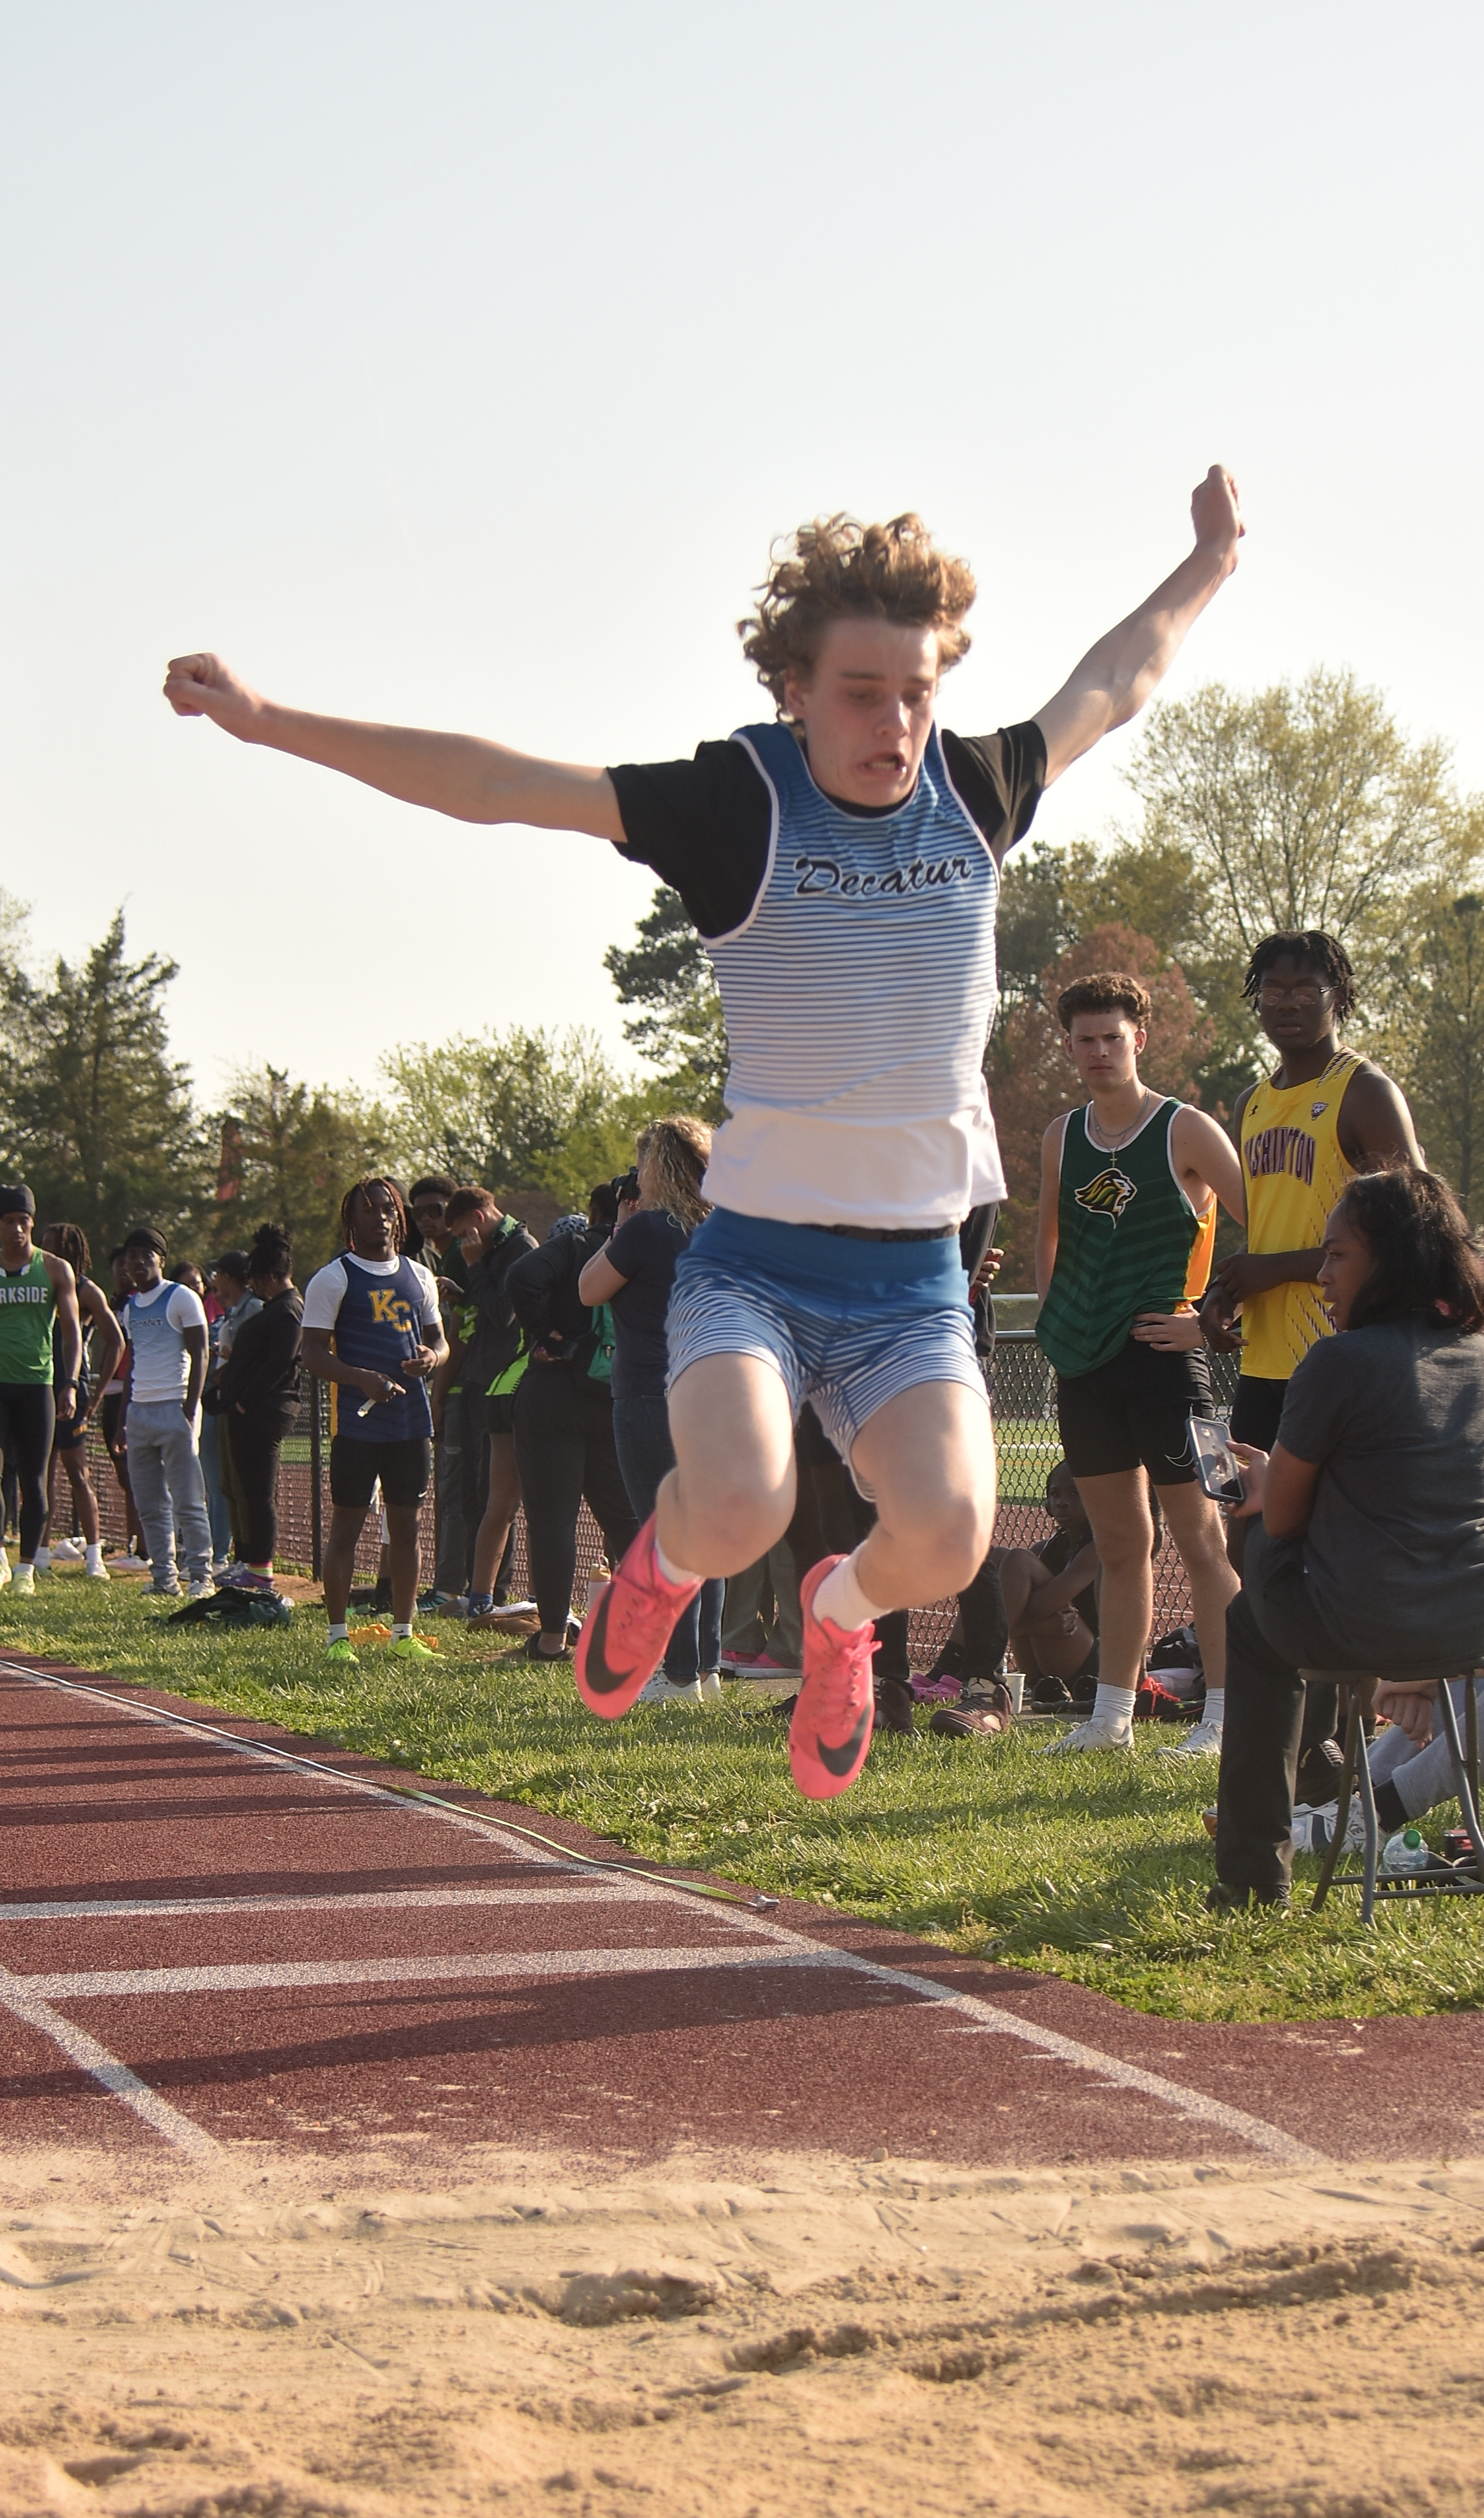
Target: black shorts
{"type": "Point", "coordinates": [403, 1469]}
{"type": "Point", "coordinates": [1256, 1409]}
{"type": "Point", "coordinates": [1133, 1411]}
{"type": "Point", "coordinates": [71, 1436]}
{"type": "Point", "coordinates": [501, 1413]}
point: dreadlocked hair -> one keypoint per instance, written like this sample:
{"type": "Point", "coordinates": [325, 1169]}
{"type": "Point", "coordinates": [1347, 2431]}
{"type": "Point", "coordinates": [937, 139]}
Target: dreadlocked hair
{"type": "Point", "coordinates": [1312, 945]}
{"type": "Point", "coordinates": [359, 1189]}
{"type": "Point", "coordinates": [272, 1252]}
{"type": "Point", "coordinates": [677, 1151]}
{"type": "Point", "coordinates": [69, 1241]}
{"type": "Point", "coordinates": [1427, 1259]}
{"type": "Point", "coordinates": [835, 567]}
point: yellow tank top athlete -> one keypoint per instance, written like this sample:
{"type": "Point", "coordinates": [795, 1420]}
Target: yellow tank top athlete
{"type": "Point", "coordinates": [1294, 1171]}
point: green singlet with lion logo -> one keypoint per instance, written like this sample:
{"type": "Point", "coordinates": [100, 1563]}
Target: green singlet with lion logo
{"type": "Point", "coordinates": [1128, 1240]}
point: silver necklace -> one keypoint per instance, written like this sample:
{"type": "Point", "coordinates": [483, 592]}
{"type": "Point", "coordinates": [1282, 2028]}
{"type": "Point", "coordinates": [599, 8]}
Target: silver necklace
{"type": "Point", "coordinates": [1116, 1145]}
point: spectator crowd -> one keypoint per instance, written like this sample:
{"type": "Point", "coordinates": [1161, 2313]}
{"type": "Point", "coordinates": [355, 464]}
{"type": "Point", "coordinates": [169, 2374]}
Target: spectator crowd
{"type": "Point", "coordinates": [506, 1378]}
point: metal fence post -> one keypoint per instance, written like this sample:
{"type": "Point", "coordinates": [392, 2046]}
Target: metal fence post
{"type": "Point", "coordinates": [316, 1506]}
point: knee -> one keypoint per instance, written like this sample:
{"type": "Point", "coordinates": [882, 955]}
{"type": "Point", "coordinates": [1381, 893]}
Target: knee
{"type": "Point", "coordinates": [948, 1546]}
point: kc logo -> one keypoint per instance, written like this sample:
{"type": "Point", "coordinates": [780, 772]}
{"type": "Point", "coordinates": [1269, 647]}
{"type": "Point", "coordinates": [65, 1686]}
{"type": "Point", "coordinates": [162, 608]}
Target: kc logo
{"type": "Point", "coordinates": [390, 1312]}
{"type": "Point", "coordinates": [1109, 1194]}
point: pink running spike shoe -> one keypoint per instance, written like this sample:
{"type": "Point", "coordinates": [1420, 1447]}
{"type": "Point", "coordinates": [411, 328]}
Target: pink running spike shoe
{"type": "Point", "coordinates": [831, 1729]}
{"type": "Point", "coordinates": [627, 1627]}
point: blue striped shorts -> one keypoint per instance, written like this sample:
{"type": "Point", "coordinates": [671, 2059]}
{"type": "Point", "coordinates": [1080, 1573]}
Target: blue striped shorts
{"type": "Point", "coordinates": [847, 1325]}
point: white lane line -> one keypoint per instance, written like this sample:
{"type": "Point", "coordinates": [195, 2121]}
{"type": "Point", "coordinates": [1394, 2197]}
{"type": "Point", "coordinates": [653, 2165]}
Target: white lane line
{"type": "Point", "coordinates": [62, 1910]}
{"type": "Point", "coordinates": [22, 1998]}
{"type": "Point", "coordinates": [1195, 2105]}
{"type": "Point", "coordinates": [100, 1985]}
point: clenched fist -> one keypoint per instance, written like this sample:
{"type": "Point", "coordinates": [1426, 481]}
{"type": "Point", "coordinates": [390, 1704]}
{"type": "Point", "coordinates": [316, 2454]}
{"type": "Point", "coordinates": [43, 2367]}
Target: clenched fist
{"type": "Point", "coordinates": [203, 687]}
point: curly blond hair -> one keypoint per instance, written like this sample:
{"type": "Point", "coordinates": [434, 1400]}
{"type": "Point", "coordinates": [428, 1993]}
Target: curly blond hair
{"type": "Point", "coordinates": [677, 1149]}
{"type": "Point", "coordinates": [838, 566]}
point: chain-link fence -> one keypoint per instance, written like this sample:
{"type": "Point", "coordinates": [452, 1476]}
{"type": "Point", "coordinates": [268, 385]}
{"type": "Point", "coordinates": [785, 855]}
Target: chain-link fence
{"type": "Point", "coordinates": [1024, 1393]}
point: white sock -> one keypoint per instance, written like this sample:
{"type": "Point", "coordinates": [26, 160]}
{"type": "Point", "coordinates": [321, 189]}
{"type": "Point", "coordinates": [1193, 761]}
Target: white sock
{"type": "Point", "coordinates": [338, 1634]}
{"type": "Point", "coordinates": [1215, 1704]}
{"type": "Point", "coordinates": [399, 1631]}
{"type": "Point", "coordinates": [840, 1599]}
{"type": "Point", "coordinates": [95, 1555]}
{"type": "Point", "coordinates": [672, 1572]}
{"type": "Point", "coordinates": [43, 1560]}
{"type": "Point", "coordinates": [1113, 1709]}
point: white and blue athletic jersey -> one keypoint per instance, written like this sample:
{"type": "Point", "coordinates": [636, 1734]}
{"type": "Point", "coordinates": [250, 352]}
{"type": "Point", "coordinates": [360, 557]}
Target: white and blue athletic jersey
{"type": "Point", "coordinates": [377, 1312]}
{"type": "Point", "coordinates": [856, 963]}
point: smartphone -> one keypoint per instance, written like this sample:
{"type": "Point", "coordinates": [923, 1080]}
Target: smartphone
{"type": "Point", "coordinates": [1217, 1467]}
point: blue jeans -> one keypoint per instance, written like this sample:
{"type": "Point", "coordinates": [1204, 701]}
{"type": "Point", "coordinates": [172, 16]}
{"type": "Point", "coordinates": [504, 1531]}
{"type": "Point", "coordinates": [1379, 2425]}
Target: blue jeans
{"type": "Point", "coordinates": [645, 1452]}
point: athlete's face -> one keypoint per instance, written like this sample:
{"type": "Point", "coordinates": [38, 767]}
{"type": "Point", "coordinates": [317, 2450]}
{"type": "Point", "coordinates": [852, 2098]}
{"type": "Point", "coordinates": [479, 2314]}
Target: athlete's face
{"type": "Point", "coordinates": [1345, 1268]}
{"type": "Point", "coordinates": [1296, 1007]}
{"type": "Point", "coordinates": [867, 708]}
{"type": "Point", "coordinates": [1064, 1503]}
{"type": "Point", "coordinates": [16, 1241]}
{"type": "Point", "coordinates": [1104, 1050]}
{"type": "Point", "coordinates": [374, 1223]}
{"type": "Point", "coordinates": [143, 1269]}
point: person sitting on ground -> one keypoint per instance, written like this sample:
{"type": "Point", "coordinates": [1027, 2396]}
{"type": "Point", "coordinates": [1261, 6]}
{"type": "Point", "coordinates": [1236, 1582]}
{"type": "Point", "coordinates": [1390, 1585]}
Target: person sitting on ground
{"type": "Point", "coordinates": [257, 1403]}
{"type": "Point", "coordinates": [633, 1273]}
{"type": "Point", "coordinates": [372, 1329]}
{"type": "Point", "coordinates": [490, 1243]}
{"type": "Point", "coordinates": [1050, 1598]}
{"type": "Point", "coordinates": [564, 1448]}
{"type": "Point", "coordinates": [1370, 1551]}
{"type": "Point", "coordinates": [165, 1324]}
{"type": "Point", "coordinates": [102, 1354]}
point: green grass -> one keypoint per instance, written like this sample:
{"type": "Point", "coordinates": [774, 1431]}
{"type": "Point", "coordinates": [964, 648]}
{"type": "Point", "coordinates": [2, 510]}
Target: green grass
{"type": "Point", "coordinates": [1093, 1869]}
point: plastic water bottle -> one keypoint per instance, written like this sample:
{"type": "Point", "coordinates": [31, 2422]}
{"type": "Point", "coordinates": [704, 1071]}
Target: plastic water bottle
{"type": "Point", "coordinates": [1405, 1851]}
{"type": "Point", "coordinates": [597, 1585]}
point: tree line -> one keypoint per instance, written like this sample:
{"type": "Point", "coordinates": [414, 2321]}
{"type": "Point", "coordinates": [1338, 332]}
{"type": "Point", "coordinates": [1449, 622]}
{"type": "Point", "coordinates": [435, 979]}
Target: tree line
{"type": "Point", "coordinates": [1303, 804]}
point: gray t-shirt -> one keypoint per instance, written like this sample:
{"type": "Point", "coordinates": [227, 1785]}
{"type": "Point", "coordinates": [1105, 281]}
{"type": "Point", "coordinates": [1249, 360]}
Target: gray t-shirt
{"type": "Point", "coordinates": [1394, 1551]}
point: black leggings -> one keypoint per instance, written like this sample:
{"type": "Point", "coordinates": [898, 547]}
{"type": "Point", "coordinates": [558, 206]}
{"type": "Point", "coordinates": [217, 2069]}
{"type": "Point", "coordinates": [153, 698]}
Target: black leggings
{"type": "Point", "coordinates": [563, 1451]}
{"type": "Point", "coordinates": [253, 1446]}
{"type": "Point", "coordinates": [28, 1422]}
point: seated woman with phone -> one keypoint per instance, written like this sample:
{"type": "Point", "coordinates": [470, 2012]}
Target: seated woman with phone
{"type": "Point", "coordinates": [1369, 1552]}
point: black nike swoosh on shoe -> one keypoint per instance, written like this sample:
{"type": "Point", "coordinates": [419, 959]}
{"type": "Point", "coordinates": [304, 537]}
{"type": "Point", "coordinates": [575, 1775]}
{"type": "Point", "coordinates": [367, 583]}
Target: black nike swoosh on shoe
{"type": "Point", "coordinates": [840, 1760]}
{"type": "Point", "coordinates": [597, 1674]}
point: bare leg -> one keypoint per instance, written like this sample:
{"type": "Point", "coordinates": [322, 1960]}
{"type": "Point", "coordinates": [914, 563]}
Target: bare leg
{"type": "Point", "coordinates": [498, 1513]}
{"type": "Point", "coordinates": [730, 1495]}
{"type": "Point", "coordinates": [929, 1453]}
{"type": "Point", "coordinates": [75, 1464]}
{"type": "Point", "coordinates": [345, 1526]}
{"type": "Point", "coordinates": [1117, 1508]}
{"type": "Point", "coordinates": [402, 1544]}
{"type": "Point", "coordinates": [1194, 1525]}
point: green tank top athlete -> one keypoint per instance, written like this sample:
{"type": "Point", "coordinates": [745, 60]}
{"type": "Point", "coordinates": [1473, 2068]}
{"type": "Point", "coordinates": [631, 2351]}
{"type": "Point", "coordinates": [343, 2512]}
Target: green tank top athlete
{"type": "Point", "coordinates": [1128, 1240]}
{"type": "Point", "coordinates": [28, 1309]}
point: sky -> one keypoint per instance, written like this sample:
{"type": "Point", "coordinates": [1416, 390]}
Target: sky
{"type": "Point", "coordinates": [456, 366]}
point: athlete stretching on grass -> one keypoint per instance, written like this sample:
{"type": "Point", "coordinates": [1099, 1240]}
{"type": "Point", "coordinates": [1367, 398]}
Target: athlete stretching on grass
{"type": "Point", "coordinates": [841, 865]}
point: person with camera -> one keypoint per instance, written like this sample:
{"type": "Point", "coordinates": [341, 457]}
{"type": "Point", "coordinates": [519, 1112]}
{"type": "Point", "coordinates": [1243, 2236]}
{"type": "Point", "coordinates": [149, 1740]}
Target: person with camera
{"type": "Point", "coordinates": [1366, 1539]}
{"type": "Point", "coordinates": [563, 1417]}
{"type": "Point", "coordinates": [659, 1206]}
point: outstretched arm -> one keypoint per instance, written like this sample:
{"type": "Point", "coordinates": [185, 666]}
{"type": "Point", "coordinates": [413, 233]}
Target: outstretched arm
{"type": "Point", "coordinates": [459, 774]}
{"type": "Point", "coordinates": [1120, 675]}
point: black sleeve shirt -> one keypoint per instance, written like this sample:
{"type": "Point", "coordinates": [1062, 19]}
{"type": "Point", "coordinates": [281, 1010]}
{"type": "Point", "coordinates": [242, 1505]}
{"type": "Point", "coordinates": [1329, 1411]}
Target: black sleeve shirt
{"type": "Point", "coordinates": [703, 825]}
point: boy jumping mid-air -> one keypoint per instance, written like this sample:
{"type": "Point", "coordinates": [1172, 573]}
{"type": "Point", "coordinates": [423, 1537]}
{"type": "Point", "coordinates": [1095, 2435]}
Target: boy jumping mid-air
{"type": "Point", "coordinates": [842, 866]}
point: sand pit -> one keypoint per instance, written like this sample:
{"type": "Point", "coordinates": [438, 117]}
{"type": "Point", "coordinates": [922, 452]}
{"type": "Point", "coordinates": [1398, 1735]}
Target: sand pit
{"type": "Point", "coordinates": [808, 2338]}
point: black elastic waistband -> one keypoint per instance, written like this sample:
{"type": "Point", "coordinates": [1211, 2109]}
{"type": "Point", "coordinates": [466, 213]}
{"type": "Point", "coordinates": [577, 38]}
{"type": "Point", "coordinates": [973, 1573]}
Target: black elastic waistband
{"type": "Point", "coordinates": [876, 1232]}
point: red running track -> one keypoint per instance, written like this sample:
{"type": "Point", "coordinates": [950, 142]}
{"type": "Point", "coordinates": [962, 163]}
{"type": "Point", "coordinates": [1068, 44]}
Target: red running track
{"type": "Point", "coordinates": [214, 1932]}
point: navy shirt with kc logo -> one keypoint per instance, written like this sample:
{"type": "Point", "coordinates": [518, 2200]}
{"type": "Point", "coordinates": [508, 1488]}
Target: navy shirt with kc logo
{"type": "Point", "coordinates": [380, 1323]}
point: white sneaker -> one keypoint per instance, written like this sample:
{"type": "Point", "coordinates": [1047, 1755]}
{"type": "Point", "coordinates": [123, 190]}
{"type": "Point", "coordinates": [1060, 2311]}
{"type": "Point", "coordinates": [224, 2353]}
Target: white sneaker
{"type": "Point", "coordinates": [220, 1568]}
{"type": "Point", "coordinates": [1314, 1828]}
{"type": "Point", "coordinates": [1202, 1740]}
{"type": "Point", "coordinates": [1089, 1735]}
{"type": "Point", "coordinates": [204, 1591]}
{"type": "Point", "coordinates": [24, 1581]}
{"type": "Point", "coordinates": [709, 1684]}
{"type": "Point", "coordinates": [5, 1569]}
{"type": "Point", "coordinates": [659, 1691]}
{"type": "Point", "coordinates": [66, 1551]}
{"type": "Point", "coordinates": [98, 1574]}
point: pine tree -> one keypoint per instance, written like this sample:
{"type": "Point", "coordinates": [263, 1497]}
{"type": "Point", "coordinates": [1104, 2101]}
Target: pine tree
{"type": "Point", "coordinates": [99, 1117]}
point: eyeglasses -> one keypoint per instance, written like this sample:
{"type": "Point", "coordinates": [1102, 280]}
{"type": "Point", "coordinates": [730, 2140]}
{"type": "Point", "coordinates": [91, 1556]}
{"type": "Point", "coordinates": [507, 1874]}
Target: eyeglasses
{"type": "Point", "coordinates": [1302, 1000]}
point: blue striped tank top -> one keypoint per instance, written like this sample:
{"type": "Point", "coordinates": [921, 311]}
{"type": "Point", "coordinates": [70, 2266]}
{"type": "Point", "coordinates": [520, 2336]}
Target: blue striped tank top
{"type": "Point", "coordinates": [859, 996]}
